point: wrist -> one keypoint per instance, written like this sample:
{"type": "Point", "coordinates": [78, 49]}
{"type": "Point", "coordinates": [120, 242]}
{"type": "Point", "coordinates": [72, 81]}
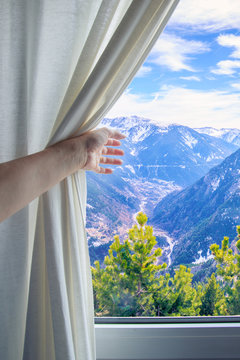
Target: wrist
{"type": "Point", "coordinates": [71, 155]}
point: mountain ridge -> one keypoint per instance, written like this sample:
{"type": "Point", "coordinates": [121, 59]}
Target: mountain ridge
{"type": "Point", "coordinates": [203, 212]}
{"type": "Point", "coordinates": [158, 160]}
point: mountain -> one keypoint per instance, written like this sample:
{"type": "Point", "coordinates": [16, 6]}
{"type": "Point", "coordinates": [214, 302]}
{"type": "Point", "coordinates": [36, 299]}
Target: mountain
{"type": "Point", "coordinates": [229, 135]}
{"type": "Point", "coordinates": [158, 160]}
{"type": "Point", "coordinates": [110, 206]}
{"type": "Point", "coordinates": [203, 213]}
{"type": "Point", "coordinates": [171, 153]}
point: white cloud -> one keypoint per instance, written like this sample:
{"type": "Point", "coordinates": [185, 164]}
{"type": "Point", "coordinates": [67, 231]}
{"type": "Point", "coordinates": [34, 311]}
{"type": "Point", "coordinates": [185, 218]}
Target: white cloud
{"type": "Point", "coordinates": [190, 78]}
{"type": "Point", "coordinates": [210, 15]}
{"type": "Point", "coordinates": [230, 40]}
{"type": "Point", "coordinates": [193, 108]}
{"type": "Point", "coordinates": [226, 67]}
{"type": "Point", "coordinates": [209, 77]}
{"type": "Point", "coordinates": [236, 86]}
{"type": "Point", "coordinates": [143, 71]}
{"type": "Point", "coordinates": [175, 52]}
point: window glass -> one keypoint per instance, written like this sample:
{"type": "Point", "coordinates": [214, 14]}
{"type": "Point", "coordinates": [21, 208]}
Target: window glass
{"type": "Point", "coordinates": [163, 229]}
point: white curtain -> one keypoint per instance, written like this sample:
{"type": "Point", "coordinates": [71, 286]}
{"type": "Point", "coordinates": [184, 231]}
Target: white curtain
{"type": "Point", "coordinates": [63, 64]}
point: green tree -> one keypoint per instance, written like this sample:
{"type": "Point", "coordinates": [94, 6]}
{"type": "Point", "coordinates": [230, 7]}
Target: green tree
{"type": "Point", "coordinates": [176, 296]}
{"type": "Point", "coordinates": [133, 282]}
{"type": "Point", "coordinates": [121, 287]}
{"type": "Point", "coordinates": [228, 271]}
{"type": "Point", "coordinates": [212, 301]}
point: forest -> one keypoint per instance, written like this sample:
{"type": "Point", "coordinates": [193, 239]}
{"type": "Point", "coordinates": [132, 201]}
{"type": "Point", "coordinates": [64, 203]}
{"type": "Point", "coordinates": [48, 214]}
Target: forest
{"type": "Point", "coordinates": [134, 282]}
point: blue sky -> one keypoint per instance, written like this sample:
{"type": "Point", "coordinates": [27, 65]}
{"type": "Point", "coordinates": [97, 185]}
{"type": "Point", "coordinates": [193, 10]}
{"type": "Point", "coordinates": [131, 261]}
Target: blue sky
{"type": "Point", "coordinates": [191, 76]}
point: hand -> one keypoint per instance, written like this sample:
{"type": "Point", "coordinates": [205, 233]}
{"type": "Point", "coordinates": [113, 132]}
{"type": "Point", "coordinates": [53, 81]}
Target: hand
{"type": "Point", "coordinates": [97, 149]}
{"type": "Point", "coordinates": [25, 178]}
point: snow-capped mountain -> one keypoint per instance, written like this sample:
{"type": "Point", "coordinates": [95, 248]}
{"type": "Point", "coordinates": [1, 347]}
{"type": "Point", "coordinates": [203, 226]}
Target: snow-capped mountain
{"type": "Point", "coordinates": [229, 135]}
{"type": "Point", "coordinates": [158, 160]}
{"type": "Point", "coordinates": [203, 213]}
{"type": "Point", "coordinates": [171, 153]}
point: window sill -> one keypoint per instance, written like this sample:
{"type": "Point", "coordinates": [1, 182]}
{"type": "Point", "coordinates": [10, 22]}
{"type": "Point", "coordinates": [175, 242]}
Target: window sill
{"type": "Point", "coordinates": [174, 338]}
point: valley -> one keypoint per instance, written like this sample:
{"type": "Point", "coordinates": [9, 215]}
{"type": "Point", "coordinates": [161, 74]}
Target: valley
{"type": "Point", "coordinates": [160, 163]}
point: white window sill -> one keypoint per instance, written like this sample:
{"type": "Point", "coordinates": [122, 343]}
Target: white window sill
{"type": "Point", "coordinates": [168, 341]}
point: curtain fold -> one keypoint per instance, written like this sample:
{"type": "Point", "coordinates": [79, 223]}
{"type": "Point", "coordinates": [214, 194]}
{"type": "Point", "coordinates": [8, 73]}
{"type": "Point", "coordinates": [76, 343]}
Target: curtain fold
{"type": "Point", "coordinates": [63, 65]}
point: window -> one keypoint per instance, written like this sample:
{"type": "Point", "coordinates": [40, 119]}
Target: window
{"type": "Point", "coordinates": [181, 168]}
{"type": "Point", "coordinates": [145, 340]}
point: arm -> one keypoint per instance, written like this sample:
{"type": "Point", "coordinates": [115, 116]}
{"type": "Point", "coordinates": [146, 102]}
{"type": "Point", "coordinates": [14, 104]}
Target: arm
{"type": "Point", "coordinates": [24, 179]}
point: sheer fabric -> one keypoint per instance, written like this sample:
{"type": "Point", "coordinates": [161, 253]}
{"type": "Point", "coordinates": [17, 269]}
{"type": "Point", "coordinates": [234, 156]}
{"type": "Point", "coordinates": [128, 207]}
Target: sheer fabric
{"type": "Point", "coordinates": [63, 64]}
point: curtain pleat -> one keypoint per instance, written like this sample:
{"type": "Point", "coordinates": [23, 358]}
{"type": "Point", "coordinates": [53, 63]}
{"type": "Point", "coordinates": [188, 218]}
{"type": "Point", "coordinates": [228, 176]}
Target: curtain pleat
{"type": "Point", "coordinates": [63, 65]}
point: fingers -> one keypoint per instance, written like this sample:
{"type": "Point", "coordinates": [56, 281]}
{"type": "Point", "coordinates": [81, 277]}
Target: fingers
{"type": "Point", "coordinates": [112, 151]}
{"type": "Point", "coordinates": [112, 161]}
{"type": "Point", "coordinates": [113, 134]}
{"type": "Point", "coordinates": [108, 161]}
{"type": "Point", "coordinates": [117, 135]}
{"type": "Point", "coordinates": [99, 141]}
{"type": "Point", "coordinates": [113, 142]}
{"type": "Point", "coordinates": [105, 171]}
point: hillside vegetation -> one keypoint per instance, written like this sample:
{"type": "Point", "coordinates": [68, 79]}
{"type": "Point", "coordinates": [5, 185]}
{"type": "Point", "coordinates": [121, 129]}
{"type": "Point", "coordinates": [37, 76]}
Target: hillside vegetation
{"type": "Point", "coordinates": [134, 282]}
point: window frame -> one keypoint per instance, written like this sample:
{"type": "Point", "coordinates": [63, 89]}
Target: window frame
{"type": "Point", "coordinates": [180, 338]}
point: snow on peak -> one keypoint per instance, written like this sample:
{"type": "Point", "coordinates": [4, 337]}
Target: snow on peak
{"type": "Point", "coordinates": [189, 140]}
{"type": "Point", "coordinates": [127, 123]}
{"type": "Point", "coordinates": [140, 133]}
{"type": "Point", "coordinates": [227, 134]}
{"type": "Point", "coordinates": [212, 131]}
{"type": "Point", "coordinates": [163, 129]}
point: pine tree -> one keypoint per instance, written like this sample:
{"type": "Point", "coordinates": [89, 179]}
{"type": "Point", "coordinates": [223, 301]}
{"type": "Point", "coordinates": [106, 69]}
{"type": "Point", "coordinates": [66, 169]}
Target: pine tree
{"type": "Point", "coordinates": [176, 296]}
{"type": "Point", "coordinates": [132, 282]}
{"type": "Point", "coordinates": [213, 300]}
{"type": "Point", "coordinates": [228, 271]}
{"type": "Point", "coordinates": [122, 287]}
